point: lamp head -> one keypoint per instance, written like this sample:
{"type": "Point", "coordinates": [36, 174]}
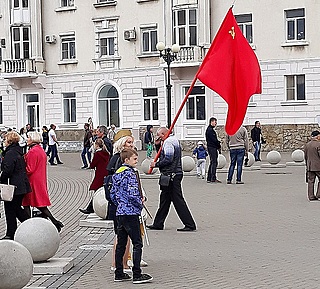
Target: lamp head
{"type": "Point", "coordinates": [175, 48]}
{"type": "Point", "coordinates": [160, 46]}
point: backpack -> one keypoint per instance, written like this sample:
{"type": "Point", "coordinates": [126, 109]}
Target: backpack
{"type": "Point", "coordinates": [107, 183]}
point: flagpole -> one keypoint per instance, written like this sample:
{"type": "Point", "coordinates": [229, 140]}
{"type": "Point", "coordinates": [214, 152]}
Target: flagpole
{"type": "Point", "coordinates": [176, 117]}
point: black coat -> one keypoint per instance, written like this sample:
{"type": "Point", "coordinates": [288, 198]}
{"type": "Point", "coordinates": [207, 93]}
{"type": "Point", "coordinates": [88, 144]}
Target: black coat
{"type": "Point", "coordinates": [211, 138]}
{"type": "Point", "coordinates": [13, 168]}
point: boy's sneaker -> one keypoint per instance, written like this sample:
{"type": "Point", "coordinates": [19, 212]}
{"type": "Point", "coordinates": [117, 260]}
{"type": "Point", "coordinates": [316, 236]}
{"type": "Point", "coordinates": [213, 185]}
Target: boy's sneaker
{"type": "Point", "coordinates": [124, 277]}
{"type": "Point", "coordinates": [144, 278]}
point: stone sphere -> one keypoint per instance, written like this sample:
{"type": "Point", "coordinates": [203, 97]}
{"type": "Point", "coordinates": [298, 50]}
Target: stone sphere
{"type": "Point", "coordinates": [273, 157]}
{"type": "Point", "coordinates": [40, 237]}
{"type": "Point", "coordinates": [16, 265]}
{"type": "Point", "coordinates": [298, 156]}
{"type": "Point", "coordinates": [145, 165]}
{"type": "Point", "coordinates": [222, 161]}
{"type": "Point", "coordinates": [188, 163]}
{"type": "Point", "coordinates": [251, 159]}
{"type": "Point", "coordinates": [100, 203]}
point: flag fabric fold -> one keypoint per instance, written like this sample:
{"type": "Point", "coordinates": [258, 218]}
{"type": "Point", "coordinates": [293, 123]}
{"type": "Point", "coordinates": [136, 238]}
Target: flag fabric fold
{"type": "Point", "coordinates": [232, 70]}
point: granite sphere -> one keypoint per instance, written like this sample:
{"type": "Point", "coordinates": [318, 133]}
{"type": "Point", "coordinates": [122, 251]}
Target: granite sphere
{"type": "Point", "coordinates": [222, 161]}
{"type": "Point", "coordinates": [16, 265]}
{"type": "Point", "coordinates": [40, 237]}
{"type": "Point", "coordinates": [188, 163]}
{"type": "Point", "coordinates": [100, 203]}
{"type": "Point", "coordinates": [298, 156]}
{"type": "Point", "coordinates": [251, 159]}
{"type": "Point", "coordinates": [145, 165]}
{"type": "Point", "coordinates": [273, 157]}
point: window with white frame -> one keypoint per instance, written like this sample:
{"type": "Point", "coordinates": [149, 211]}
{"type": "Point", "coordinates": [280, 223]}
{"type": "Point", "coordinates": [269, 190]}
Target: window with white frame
{"type": "Point", "coordinates": [295, 86]}
{"type": "Point", "coordinates": [20, 42]}
{"type": "Point", "coordinates": [185, 27]}
{"type": "Point", "coordinates": [69, 107]}
{"type": "Point", "coordinates": [149, 39]}
{"type": "Point", "coordinates": [20, 3]}
{"type": "Point", "coordinates": [68, 46]}
{"type": "Point", "coordinates": [1, 110]}
{"type": "Point", "coordinates": [150, 103]}
{"type": "Point", "coordinates": [245, 24]}
{"type": "Point", "coordinates": [108, 106]}
{"type": "Point", "coordinates": [67, 3]}
{"type": "Point", "coordinates": [106, 38]}
{"type": "Point", "coordinates": [295, 24]}
{"type": "Point", "coordinates": [196, 104]}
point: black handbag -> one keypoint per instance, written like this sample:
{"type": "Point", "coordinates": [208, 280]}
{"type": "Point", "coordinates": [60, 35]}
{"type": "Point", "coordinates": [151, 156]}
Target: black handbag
{"type": "Point", "coordinates": [164, 180]}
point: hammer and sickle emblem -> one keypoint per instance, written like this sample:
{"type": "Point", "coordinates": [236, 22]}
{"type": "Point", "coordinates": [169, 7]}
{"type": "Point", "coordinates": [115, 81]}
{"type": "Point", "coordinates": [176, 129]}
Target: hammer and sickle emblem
{"type": "Point", "coordinates": [232, 33]}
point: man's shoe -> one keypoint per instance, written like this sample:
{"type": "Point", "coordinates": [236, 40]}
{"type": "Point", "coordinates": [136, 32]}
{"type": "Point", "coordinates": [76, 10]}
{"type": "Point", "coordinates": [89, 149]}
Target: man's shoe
{"type": "Point", "coordinates": [84, 167]}
{"type": "Point", "coordinates": [315, 199]}
{"type": "Point", "coordinates": [86, 211]}
{"type": "Point", "coordinates": [217, 181]}
{"type": "Point", "coordinates": [186, 229]}
{"type": "Point", "coordinates": [60, 163]}
{"type": "Point", "coordinates": [152, 227]}
{"type": "Point", "coordinates": [144, 278]}
{"type": "Point", "coordinates": [124, 277]}
{"type": "Point", "coordinates": [239, 182]}
{"type": "Point", "coordinates": [229, 182]}
{"type": "Point", "coordinates": [53, 164]}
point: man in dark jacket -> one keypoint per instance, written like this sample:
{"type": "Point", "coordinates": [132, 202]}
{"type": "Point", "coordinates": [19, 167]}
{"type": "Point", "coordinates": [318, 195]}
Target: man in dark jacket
{"type": "Point", "coordinates": [170, 165]}
{"type": "Point", "coordinates": [256, 137]}
{"type": "Point", "coordinates": [102, 132]}
{"type": "Point", "coordinates": [86, 146]}
{"type": "Point", "coordinates": [312, 158]}
{"type": "Point", "coordinates": [213, 145]}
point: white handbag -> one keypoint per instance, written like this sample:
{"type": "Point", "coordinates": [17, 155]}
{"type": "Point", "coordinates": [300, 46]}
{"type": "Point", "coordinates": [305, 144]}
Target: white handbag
{"type": "Point", "coordinates": [6, 192]}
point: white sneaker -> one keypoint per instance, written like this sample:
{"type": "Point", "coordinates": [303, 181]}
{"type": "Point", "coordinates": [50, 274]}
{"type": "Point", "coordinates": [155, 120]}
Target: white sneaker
{"type": "Point", "coordinates": [127, 270]}
{"type": "Point", "coordinates": [130, 263]}
{"type": "Point", "coordinates": [142, 263]}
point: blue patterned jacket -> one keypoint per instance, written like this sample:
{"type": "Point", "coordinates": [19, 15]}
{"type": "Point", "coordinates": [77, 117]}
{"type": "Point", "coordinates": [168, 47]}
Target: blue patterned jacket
{"type": "Point", "coordinates": [125, 192]}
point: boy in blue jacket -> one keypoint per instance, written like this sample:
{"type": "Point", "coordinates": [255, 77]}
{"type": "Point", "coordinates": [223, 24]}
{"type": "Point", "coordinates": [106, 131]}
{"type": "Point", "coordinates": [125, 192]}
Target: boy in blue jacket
{"type": "Point", "coordinates": [200, 153]}
{"type": "Point", "coordinates": [126, 194]}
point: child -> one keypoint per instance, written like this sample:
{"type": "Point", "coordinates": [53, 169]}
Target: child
{"type": "Point", "coordinates": [126, 194]}
{"type": "Point", "coordinates": [149, 140]}
{"type": "Point", "coordinates": [200, 153]}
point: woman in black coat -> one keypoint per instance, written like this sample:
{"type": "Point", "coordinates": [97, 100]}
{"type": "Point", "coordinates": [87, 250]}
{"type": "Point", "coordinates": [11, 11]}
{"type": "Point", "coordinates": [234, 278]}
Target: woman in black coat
{"type": "Point", "coordinates": [13, 169]}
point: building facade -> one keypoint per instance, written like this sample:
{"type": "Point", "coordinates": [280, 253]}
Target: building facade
{"type": "Point", "coordinates": [63, 61]}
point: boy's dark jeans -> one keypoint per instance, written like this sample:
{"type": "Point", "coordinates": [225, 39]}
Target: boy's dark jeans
{"type": "Point", "coordinates": [128, 225]}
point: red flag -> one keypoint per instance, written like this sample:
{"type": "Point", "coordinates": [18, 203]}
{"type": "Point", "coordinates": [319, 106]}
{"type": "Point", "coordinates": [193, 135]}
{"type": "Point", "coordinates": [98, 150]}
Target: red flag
{"type": "Point", "coordinates": [231, 69]}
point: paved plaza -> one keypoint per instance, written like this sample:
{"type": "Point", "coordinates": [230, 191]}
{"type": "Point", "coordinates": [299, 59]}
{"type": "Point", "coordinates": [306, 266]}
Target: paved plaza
{"type": "Point", "coordinates": [263, 234]}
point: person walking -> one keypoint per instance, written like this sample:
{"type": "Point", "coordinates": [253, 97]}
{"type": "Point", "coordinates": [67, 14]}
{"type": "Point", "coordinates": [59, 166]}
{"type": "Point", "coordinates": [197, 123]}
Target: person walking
{"type": "Point", "coordinates": [36, 167]}
{"type": "Point", "coordinates": [86, 146]}
{"type": "Point", "coordinates": [102, 132]}
{"type": "Point", "coordinates": [214, 147]}
{"type": "Point", "coordinates": [53, 142]}
{"type": "Point", "coordinates": [45, 137]}
{"type": "Point", "coordinates": [201, 154]}
{"type": "Point", "coordinates": [149, 140]}
{"type": "Point", "coordinates": [312, 158]}
{"type": "Point", "coordinates": [112, 133]}
{"type": "Point", "coordinates": [126, 194]}
{"type": "Point", "coordinates": [13, 169]}
{"type": "Point", "coordinates": [169, 164]}
{"type": "Point", "coordinates": [238, 145]}
{"type": "Point", "coordinates": [256, 137]}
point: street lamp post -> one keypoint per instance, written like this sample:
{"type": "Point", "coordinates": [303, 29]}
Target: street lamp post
{"type": "Point", "coordinates": [168, 54]}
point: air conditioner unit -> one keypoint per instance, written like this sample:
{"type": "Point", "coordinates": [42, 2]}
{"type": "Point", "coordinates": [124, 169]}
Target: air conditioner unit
{"type": "Point", "coordinates": [51, 39]}
{"type": "Point", "coordinates": [130, 35]}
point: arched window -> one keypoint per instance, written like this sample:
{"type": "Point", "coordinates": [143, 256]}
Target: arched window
{"type": "Point", "coordinates": [108, 106]}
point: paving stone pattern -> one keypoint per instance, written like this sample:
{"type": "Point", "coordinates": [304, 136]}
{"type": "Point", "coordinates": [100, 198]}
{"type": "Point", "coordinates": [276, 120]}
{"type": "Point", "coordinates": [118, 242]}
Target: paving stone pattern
{"type": "Point", "coordinates": [263, 234]}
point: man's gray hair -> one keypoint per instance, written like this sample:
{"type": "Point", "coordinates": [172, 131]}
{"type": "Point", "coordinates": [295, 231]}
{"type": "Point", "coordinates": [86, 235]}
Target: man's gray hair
{"type": "Point", "coordinates": [103, 129]}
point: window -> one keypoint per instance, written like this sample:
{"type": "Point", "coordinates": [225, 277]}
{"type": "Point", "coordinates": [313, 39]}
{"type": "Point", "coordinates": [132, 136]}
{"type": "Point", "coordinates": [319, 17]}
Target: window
{"type": "Point", "coordinates": [67, 3]}
{"type": "Point", "coordinates": [33, 110]}
{"type": "Point", "coordinates": [245, 24]}
{"type": "Point", "coordinates": [20, 3]}
{"type": "Point", "coordinates": [149, 39]}
{"type": "Point", "coordinates": [196, 105]}
{"type": "Point", "coordinates": [150, 103]}
{"type": "Point", "coordinates": [69, 107]}
{"type": "Point", "coordinates": [108, 106]}
{"type": "Point", "coordinates": [106, 46]}
{"type": "Point", "coordinates": [295, 85]}
{"type": "Point", "coordinates": [1, 110]}
{"type": "Point", "coordinates": [185, 27]}
{"type": "Point", "coordinates": [21, 42]}
{"type": "Point", "coordinates": [295, 24]}
{"type": "Point", "coordinates": [68, 47]}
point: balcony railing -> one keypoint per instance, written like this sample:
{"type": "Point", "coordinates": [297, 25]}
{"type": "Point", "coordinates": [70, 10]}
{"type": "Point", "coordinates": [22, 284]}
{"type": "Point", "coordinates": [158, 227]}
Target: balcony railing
{"type": "Point", "coordinates": [18, 66]}
{"type": "Point", "coordinates": [191, 54]}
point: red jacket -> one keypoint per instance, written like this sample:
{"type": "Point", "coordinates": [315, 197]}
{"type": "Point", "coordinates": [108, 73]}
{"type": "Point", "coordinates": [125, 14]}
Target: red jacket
{"type": "Point", "coordinates": [99, 163]}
